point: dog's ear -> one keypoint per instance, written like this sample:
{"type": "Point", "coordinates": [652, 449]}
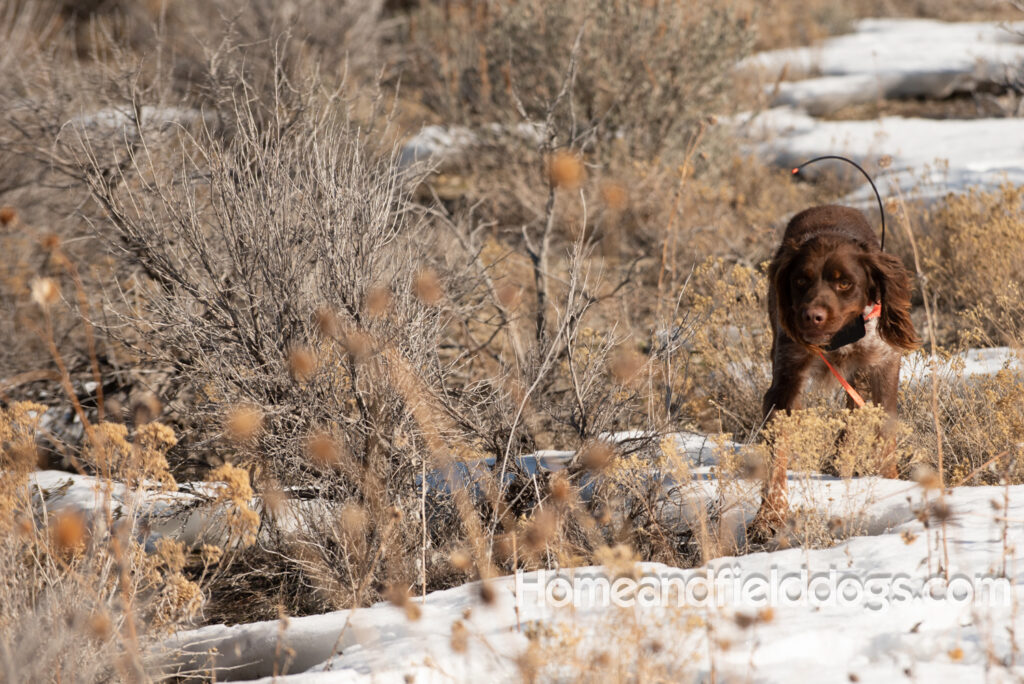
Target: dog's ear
{"type": "Point", "coordinates": [779, 277]}
{"type": "Point", "coordinates": [889, 283]}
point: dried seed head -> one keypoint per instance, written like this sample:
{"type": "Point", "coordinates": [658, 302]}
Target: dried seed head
{"type": "Point", "coordinates": [461, 561]}
{"type": "Point", "coordinates": [427, 287]}
{"type": "Point", "coordinates": [301, 363]}
{"type": "Point", "coordinates": [541, 529]}
{"type": "Point", "coordinates": [45, 292]}
{"type": "Point", "coordinates": [565, 170]}
{"type": "Point", "coordinates": [326, 322]}
{"type": "Point", "coordinates": [509, 295]}
{"type": "Point", "coordinates": [614, 195]}
{"type": "Point", "coordinates": [274, 499]}
{"type": "Point", "coordinates": [504, 547]}
{"type": "Point", "coordinates": [50, 242]}
{"type": "Point", "coordinates": [378, 301]}
{"type": "Point", "coordinates": [69, 532]}
{"type": "Point", "coordinates": [625, 365]}
{"type": "Point", "coordinates": [744, 620]}
{"type": "Point", "coordinates": [620, 560]}
{"type": "Point", "coordinates": [885, 161]}
{"type": "Point", "coordinates": [921, 514]}
{"type": "Point", "coordinates": [940, 511]}
{"type": "Point", "coordinates": [561, 490]}
{"type": "Point", "coordinates": [170, 553]}
{"type": "Point", "coordinates": [487, 593]}
{"type": "Point", "coordinates": [352, 520]}
{"type": "Point", "coordinates": [927, 477]}
{"type": "Point", "coordinates": [398, 596]}
{"type": "Point", "coordinates": [323, 450]}
{"type": "Point", "coordinates": [25, 527]}
{"type": "Point", "coordinates": [766, 614]}
{"type": "Point", "coordinates": [146, 407]}
{"type": "Point", "coordinates": [529, 664]}
{"type": "Point", "coordinates": [210, 553]}
{"type": "Point", "coordinates": [394, 514]}
{"type": "Point", "coordinates": [100, 626]}
{"type": "Point", "coordinates": [243, 423]}
{"type": "Point", "coordinates": [358, 344]}
{"type": "Point", "coordinates": [113, 409]}
{"type": "Point", "coordinates": [8, 215]}
{"type": "Point", "coordinates": [460, 637]}
{"type": "Point", "coordinates": [596, 455]}
{"type": "Point", "coordinates": [20, 455]}
{"type": "Point", "coordinates": [908, 537]}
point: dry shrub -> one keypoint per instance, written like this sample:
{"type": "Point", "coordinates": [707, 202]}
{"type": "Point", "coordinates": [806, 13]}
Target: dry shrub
{"type": "Point", "coordinates": [610, 98]}
{"type": "Point", "coordinates": [981, 421]}
{"type": "Point", "coordinates": [141, 461]}
{"type": "Point", "coordinates": [857, 443]}
{"type": "Point", "coordinates": [261, 267]}
{"type": "Point", "coordinates": [18, 424]}
{"type": "Point", "coordinates": [834, 442]}
{"type": "Point", "coordinates": [104, 69]}
{"type": "Point", "coordinates": [644, 74]}
{"type": "Point", "coordinates": [729, 368]}
{"type": "Point", "coordinates": [782, 24]}
{"type": "Point", "coordinates": [972, 251]}
{"type": "Point", "coordinates": [80, 598]}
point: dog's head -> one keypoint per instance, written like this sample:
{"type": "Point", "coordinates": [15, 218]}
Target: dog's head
{"type": "Point", "coordinates": [827, 272]}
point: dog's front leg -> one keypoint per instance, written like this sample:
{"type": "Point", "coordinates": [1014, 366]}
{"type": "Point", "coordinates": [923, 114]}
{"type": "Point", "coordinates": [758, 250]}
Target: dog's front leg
{"type": "Point", "coordinates": [885, 389]}
{"type": "Point", "coordinates": [789, 370]}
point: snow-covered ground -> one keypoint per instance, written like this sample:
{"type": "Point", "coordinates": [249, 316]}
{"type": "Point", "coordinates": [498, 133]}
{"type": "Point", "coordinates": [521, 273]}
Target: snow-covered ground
{"type": "Point", "coordinates": [874, 608]}
{"type": "Point", "coordinates": [892, 58]}
{"type": "Point", "coordinates": [187, 515]}
{"type": "Point", "coordinates": [888, 59]}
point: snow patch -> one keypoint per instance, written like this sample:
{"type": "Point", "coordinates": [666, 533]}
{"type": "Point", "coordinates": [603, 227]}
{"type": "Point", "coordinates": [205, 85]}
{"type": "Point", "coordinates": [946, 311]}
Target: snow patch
{"type": "Point", "coordinates": [930, 157]}
{"type": "Point", "coordinates": [802, 642]}
{"type": "Point", "coordinates": [888, 58]}
{"type": "Point", "coordinates": [893, 58]}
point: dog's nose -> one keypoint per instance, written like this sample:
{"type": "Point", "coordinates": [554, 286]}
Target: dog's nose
{"type": "Point", "coordinates": [814, 315]}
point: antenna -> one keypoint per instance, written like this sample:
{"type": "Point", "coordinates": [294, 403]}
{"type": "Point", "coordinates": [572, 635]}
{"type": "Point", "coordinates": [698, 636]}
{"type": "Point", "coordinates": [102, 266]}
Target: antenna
{"type": "Point", "coordinates": [881, 210]}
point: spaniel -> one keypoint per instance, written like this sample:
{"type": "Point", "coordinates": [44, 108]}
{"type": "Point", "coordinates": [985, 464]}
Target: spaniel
{"type": "Point", "coordinates": [836, 301]}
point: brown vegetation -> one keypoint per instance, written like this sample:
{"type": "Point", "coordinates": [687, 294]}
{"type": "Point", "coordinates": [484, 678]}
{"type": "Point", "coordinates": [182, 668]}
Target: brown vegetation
{"type": "Point", "coordinates": [218, 267]}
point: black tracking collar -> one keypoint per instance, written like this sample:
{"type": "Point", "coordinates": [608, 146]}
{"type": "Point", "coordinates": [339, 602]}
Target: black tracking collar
{"type": "Point", "coordinates": [848, 334]}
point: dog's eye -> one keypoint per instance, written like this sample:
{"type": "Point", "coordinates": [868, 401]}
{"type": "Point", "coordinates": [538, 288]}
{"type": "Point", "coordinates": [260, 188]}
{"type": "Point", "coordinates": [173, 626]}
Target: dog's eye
{"type": "Point", "coordinates": [843, 285]}
{"type": "Point", "coordinates": [802, 281]}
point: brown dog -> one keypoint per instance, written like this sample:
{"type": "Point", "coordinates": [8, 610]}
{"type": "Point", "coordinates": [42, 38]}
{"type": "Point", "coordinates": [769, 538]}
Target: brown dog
{"type": "Point", "coordinates": [830, 287]}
